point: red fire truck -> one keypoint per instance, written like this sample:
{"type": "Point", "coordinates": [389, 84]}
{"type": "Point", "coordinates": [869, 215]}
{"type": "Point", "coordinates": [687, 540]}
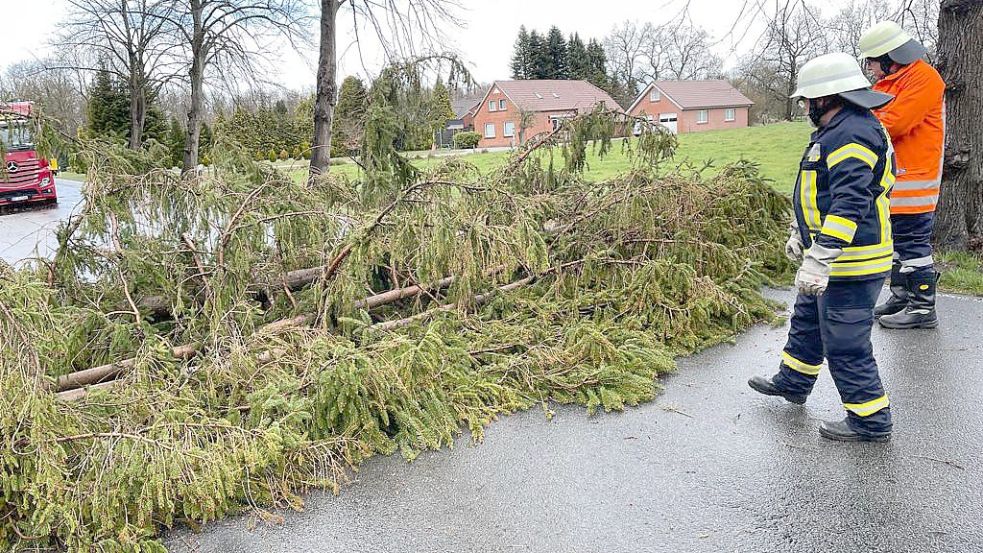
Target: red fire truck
{"type": "Point", "coordinates": [26, 176]}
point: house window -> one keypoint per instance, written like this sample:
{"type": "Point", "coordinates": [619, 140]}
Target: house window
{"type": "Point", "coordinates": [729, 114]}
{"type": "Point", "coordinates": [655, 96]}
{"type": "Point", "coordinates": [508, 130]}
{"type": "Point", "coordinates": [489, 130]}
{"type": "Point", "coordinates": [501, 105]}
{"type": "Point", "coordinates": [493, 106]}
{"type": "Point", "coordinates": [702, 116]}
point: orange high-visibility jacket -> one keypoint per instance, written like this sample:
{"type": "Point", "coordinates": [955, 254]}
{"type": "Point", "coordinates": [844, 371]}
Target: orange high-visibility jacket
{"type": "Point", "coordinates": [915, 119]}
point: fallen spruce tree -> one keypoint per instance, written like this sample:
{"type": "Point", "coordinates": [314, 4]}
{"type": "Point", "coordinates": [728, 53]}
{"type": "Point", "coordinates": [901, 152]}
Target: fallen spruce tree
{"type": "Point", "coordinates": [530, 286]}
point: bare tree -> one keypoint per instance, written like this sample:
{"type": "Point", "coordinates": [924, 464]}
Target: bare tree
{"type": "Point", "coordinates": [127, 38]}
{"type": "Point", "coordinates": [960, 216]}
{"type": "Point", "coordinates": [688, 55]}
{"type": "Point", "coordinates": [849, 24]}
{"type": "Point", "coordinates": [643, 53]}
{"type": "Point", "coordinates": [794, 34]}
{"type": "Point", "coordinates": [920, 18]}
{"type": "Point", "coordinates": [229, 36]}
{"type": "Point", "coordinates": [61, 93]}
{"type": "Point", "coordinates": [402, 27]}
{"type": "Point", "coordinates": [630, 49]}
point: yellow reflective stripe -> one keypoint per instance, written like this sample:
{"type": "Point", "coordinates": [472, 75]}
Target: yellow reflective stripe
{"type": "Point", "coordinates": [807, 198]}
{"type": "Point", "coordinates": [853, 253]}
{"type": "Point", "coordinates": [839, 227]}
{"type": "Point", "coordinates": [852, 150]}
{"type": "Point", "coordinates": [868, 408]}
{"type": "Point", "coordinates": [862, 268]}
{"type": "Point", "coordinates": [795, 364]}
{"type": "Point", "coordinates": [883, 202]}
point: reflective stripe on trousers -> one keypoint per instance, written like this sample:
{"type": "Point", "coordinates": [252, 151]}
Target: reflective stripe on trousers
{"type": "Point", "coordinates": [837, 326]}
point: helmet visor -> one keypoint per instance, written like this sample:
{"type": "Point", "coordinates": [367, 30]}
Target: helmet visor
{"type": "Point", "coordinates": [909, 52]}
{"type": "Point", "coordinates": [867, 98]}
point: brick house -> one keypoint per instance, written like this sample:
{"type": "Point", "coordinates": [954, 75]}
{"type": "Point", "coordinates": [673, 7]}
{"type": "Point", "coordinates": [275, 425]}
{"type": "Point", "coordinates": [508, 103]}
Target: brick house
{"type": "Point", "coordinates": [546, 103]}
{"type": "Point", "coordinates": [693, 106]}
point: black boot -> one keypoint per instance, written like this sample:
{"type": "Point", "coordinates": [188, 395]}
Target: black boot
{"type": "Point", "coordinates": [898, 299]}
{"type": "Point", "coordinates": [841, 431]}
{"type": "Point", "coordinates": [768, 387]}
{"type": "Point", "coordinates": [920, 312]}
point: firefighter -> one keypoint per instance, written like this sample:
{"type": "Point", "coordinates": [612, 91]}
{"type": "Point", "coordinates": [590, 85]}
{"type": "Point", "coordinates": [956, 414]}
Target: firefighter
{"type": "Point", "coordinates": [843, 228]}
{"type": "Point", "coordinates": [915, 119]}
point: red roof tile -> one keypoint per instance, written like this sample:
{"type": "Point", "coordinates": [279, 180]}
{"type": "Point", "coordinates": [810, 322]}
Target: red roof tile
{"type": "Point", "coordinates": [544, 95]}
{"type": "Point", "coordinates": [700, 94]}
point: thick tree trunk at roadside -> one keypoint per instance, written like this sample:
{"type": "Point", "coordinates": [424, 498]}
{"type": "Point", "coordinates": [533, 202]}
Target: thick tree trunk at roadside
{"type": "Point", "coordinates": [960, 214]}
{"type": "Point", "coordinates": [327, 89]}
{"type": "Point", "coordinates": [197, 75]}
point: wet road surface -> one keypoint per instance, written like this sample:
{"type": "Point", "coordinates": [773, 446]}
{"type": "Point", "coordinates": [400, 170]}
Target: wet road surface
{"type": "Point", "coordinates": [30, 231]}
{"type": "Point", "coordinates": [708, 466]}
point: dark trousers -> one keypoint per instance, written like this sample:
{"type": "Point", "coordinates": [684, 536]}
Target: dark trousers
{"type": "Point", "coordinates": [836, 327]}
{"type": "Point", "coordinates": [913, 241]}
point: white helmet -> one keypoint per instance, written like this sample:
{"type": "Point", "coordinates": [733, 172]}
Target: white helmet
{"type": "Point", "coordinates": [887, 37]}
{"type": "Point", "coordinates": [838, 74]}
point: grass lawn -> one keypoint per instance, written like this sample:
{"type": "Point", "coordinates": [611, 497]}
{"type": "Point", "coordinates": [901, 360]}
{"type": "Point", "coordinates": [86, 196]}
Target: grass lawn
{"type": "Point", "coordinates": [777, 148]}
{"type": "Point", "coordinates": [962, 272]}
{"type": "Point", "coordinates": [68, 175]}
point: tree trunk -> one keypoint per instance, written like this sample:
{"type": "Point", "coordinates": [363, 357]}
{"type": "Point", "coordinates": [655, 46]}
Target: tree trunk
{"type": "Point", "coordinates": [198, 55]}
{"type": "Point", "coordinates": [960, 215]}
{"type": "Point", "coordinates": [138, 108]}
{"type": "Point", "coordinates": [789, 101]}
{"type": "Point", "coordinates": [327, 89]}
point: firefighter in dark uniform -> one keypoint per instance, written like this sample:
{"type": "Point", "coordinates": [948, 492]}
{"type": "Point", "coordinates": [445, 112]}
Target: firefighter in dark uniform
{"type": "Point", "coordinates": [842, 234]}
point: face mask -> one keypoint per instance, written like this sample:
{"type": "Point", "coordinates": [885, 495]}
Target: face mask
{"type": "Point", "coordinates": [816, 113]}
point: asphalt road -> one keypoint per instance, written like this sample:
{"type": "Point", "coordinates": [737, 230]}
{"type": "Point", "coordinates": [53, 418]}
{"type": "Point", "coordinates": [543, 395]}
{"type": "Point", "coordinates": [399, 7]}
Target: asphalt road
{"type": "Point", "coordinates": [709, 466]}
{"type": "Point", "coordinates": [30, 231]}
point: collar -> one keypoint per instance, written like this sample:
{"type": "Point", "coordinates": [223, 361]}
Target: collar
{"type": "Point", "coordinates": [901, 72]}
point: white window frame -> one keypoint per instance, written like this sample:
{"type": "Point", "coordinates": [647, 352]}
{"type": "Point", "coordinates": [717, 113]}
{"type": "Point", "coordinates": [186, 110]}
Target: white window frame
{"type": "Point", "coordinates": [730, 114]}
{"type": "Point", "coordinates": [501, 105]}
{"type": "Point", "coordinates": [505, 129]}
{"type": "Point", "coordinates": [492, 126]}
{"type": "Point", "coordinates": [492, 105]}
{"type": "Point", "coordinates": [655, 96]}
{"type": "Point", "coordinates": [703, 117]}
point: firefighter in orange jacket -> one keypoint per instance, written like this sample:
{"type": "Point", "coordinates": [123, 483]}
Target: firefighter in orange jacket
{"type": "Point", "coordinates": [915, 119]}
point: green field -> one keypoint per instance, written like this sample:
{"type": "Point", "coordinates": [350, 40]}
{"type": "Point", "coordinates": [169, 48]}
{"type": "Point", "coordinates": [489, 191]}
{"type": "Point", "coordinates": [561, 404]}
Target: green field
{"type": "Point", "coordinates": [777, 148]}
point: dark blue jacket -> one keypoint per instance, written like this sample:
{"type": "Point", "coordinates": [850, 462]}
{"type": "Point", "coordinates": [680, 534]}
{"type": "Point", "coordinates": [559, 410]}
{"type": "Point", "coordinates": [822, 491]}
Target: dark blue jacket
{"type": "Point", "coordinates": [842, 195]}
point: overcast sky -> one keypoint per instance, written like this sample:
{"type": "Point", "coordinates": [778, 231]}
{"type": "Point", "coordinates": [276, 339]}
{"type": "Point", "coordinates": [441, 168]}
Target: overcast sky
{"type": "Point", "coordinates": [485, 41]}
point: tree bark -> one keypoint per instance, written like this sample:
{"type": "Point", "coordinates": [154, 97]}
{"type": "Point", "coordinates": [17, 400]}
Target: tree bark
{"type": "Point", "coordinates": [327, 89]}
{"type": "Point", "coordinates": [138, 107]}
{"type": "Point", "coordinates": [197, 75]}
{"type": "Point", "coordinates": [959, 219]}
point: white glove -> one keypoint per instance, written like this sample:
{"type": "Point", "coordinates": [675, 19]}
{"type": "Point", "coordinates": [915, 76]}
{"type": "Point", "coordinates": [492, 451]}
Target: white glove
{"type": "Point", "coordinates": [813, 276]}
{"type": "Point", "coordinates": [794, 246]}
